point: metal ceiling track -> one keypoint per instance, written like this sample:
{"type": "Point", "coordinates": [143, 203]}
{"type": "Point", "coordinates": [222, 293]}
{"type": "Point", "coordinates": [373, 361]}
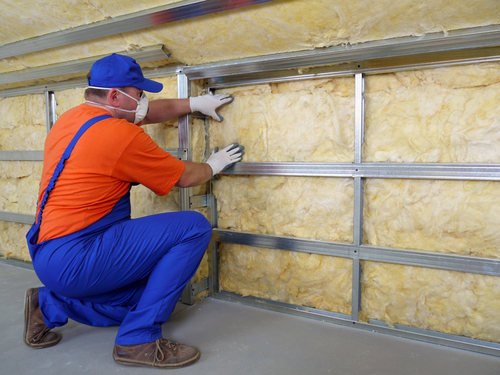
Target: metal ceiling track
{"type": "Point", "coordinates": [457, 47]}
{"type": "Point", "coordinates": [131, 22]}
{"type": "Point", "coordinates": [78, 66]}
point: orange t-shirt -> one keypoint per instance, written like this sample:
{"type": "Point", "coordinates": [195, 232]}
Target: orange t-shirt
{"type": "Point", "coordinates": [109, 156]}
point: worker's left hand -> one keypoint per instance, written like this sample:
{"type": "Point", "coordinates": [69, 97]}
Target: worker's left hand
{"type": "Point", "coordinates": [208, 104]}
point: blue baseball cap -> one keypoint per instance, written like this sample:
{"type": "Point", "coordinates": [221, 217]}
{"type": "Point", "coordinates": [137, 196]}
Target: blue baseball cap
{"type": "Point", "coordinates": [120, 71]}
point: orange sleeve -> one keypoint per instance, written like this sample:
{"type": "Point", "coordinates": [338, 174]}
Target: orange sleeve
{"type": "Point", "coordinates": [144, 162]}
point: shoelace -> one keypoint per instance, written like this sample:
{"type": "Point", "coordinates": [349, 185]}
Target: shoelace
{"type": "Point", "coordinates": [160, 345]}
{"type": "Point", "coordinates": [40, 335]}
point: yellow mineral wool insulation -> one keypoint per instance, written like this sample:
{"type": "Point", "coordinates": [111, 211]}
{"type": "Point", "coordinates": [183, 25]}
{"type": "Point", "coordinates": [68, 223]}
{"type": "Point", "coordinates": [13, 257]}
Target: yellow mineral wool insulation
{"type": "Point", "coordinates": [438, 115]}
{"type": "Point", "coordinates": [311, 280]}
{"type": "Point", "coordinates": [203, 270]}
{"type": "Point", "coordinates": [306, 207]}
{"type": "Point", "coordinates": [311, 120]}
{"type": "Point", "coordinates": [67, 99]}
{"type": "Point", "coordinates": [460, 217]}
{"type": "Point", "coordinates": [23, 125]}
{"type": "Point", "coordinates": [274, 27]}
{"type": "Point", "coordinates": [144, 202]}
{"type": "Point", "coordinates": [13, 240]}
{"type": "Point", "coordinates": [198, 136]}
{"type": "Point", "coordinates": [19, 183]}
{"type": "Point", "coordinates": [28, 19]}
{"type": "Point", "coordinates": [445, 301]}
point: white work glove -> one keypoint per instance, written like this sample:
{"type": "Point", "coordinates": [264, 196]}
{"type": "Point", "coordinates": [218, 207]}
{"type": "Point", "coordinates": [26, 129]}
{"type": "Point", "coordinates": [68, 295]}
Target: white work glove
{"type": "Point", "coordinates": [207, 104]}
{"type": "Point", "coordinates": [225, 158]}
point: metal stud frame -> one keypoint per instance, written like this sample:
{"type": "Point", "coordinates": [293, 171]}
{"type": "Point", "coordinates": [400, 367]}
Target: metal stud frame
{"type": "Point", "coordinates": [464, 46]}
{"type": "Point", "coordinates": [234, 75]}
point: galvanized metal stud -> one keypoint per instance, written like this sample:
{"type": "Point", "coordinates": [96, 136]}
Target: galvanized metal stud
{"type": "Point", "coordinates": [50, 109]}
{"type": "Point", "coordinates": [183, 92]}
{"type": "Point", "coordinates": [359, 125]}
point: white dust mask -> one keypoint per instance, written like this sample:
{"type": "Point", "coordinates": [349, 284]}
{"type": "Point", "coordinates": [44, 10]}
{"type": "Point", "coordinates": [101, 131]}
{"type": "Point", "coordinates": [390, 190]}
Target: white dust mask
{"type": "Point", "coordinates": [142, 105]}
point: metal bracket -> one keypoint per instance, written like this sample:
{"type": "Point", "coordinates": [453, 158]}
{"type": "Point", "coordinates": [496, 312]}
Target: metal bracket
{"type": "Point", "coordinates": [198, 201]}
{"type": "Point", "coordinates": [192, 289]}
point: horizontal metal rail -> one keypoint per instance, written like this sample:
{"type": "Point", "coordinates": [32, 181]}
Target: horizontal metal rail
{"type": "Point", "coordinates": [16, 262]}
{"type": "Point", "coordinates": [167, 70]}
{"type": "Point", "coordinates": [458, 342]}
{"type": "Point", "coordinates": [38, 155]}
{"type": "Point", "coordinates": [148, 18]}
{"type": "Point", "coordinates": [21, 155]}
{"type": "Point", "coordinates": [17, 218]}
{"type": "Point", "coordinates": [449, 262]}
{"type": "Point", "coordinates": [434, 47]}
{"type": "Point", "coordinates": [366, 66]}
{"type": "Point", "coordinates": [78, 66]}
{"type": "Point", "coordinates": [487, 172]}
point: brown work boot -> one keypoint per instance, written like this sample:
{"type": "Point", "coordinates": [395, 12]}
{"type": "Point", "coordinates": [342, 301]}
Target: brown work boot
{"type": "Point", "coordinates": [160, 354]}
{"type": "Point", "coordinates": [36, 333]}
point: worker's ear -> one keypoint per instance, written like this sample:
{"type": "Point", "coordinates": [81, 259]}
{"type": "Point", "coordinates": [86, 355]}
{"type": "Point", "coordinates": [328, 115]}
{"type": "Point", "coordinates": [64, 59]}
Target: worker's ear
{"type": "Point", "coordinates": [113, 97]}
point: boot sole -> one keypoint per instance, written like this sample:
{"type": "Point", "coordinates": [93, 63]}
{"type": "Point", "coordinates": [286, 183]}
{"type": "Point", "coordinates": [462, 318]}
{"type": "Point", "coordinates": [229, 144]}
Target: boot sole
{"type": "Point", "coordinates": [132, 363]}
{"type": "Point", "coordinates": [27, 308]}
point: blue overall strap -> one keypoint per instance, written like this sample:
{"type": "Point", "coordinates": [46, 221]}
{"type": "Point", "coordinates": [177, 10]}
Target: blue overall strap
{"type": "Point", "coordinates": [65, 156]}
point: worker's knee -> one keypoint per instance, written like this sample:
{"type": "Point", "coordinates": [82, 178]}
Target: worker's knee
{"type": "Point", "coordinates": [201, 223]}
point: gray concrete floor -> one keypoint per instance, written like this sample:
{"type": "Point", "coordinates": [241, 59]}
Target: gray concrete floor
{"type": "Point", "coordinates": [233, 339]}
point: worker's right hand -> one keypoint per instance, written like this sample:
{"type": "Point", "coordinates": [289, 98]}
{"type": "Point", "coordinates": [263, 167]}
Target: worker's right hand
{"type": "Point", "coordinates": [225, 158]}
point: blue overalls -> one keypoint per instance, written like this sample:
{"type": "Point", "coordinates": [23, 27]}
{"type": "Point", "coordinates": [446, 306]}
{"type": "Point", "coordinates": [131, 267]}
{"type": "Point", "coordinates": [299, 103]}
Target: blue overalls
{"type": "Point", "coordinates": [118, 271]}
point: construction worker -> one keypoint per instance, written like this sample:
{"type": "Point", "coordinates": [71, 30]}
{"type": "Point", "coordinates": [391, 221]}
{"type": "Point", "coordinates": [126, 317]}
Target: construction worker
{"type": "Point", "coordinates": [98, 266]}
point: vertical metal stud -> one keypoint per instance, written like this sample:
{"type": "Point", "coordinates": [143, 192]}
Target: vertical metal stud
{"type": "Point", "coordinates": [213, 286]}
{"type": "Point", "coordinates": [183, 92]}
{"type": "Point", "coordinates": [358, 193]}
{"type": "Point", "coordinates": [50, 109]}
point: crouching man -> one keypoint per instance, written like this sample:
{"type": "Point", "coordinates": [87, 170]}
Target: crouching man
{"type": "Point", "coordinates": [98, 266]}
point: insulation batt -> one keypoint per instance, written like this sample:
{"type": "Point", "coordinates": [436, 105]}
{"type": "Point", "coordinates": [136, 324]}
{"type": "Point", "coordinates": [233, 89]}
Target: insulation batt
{"type": "Point", "coordinates": [303, 279]}
{"type": "Point", "coordinates": [296, 121]}
{"type": "Point", "coordinates": [13, 240]}
{"type": "Point", "coordinates": [444, 115]}
{"type": "Point", "coordinates": [23, 125]}
{"type": "Point", "coordinates": [280, 26]}
{"type": "Point", "coordinates": [459, 217]}
{"type": "Point", "coordinates": [305, 207]}
{"type": "Point", "coordinates": [309, 120]}
{"type": "Point", "coordinates": [317, 208]}
{"type": "Point", "coordinates": [451, 302]}
{"type": "Point", "coordinates": [19, 184]}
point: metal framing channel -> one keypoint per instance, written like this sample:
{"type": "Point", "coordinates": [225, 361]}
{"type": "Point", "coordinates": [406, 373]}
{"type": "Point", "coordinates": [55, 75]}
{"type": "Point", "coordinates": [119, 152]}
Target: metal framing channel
{"type": "Point", "coordinates": [213, 265]}
{"type": "Point", "coordinates": [358, 193]}
{"type": "Point", "coordinates": [148, 18]}
{"type": "Point", "coordinates": [151, 53]}
{"type": "Point", "coordinates": [457, 342]}
{"type": "Point", "coordinates": [465, 45]}
{"type": "Point", "coordinates": [21, 155]}
{"type": "Point", "coordinates": [17, 218]}
{"type": "Point", "coordinates": [50, 109]}
{"type": "Point", "coordinates": [448, 262]}
{"type": "Point", "coordinates": [434, 171]}
{"type": "Point", "coordinates": [82, 82]}
{"type": "Point", "coordinates": [183, 92]}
